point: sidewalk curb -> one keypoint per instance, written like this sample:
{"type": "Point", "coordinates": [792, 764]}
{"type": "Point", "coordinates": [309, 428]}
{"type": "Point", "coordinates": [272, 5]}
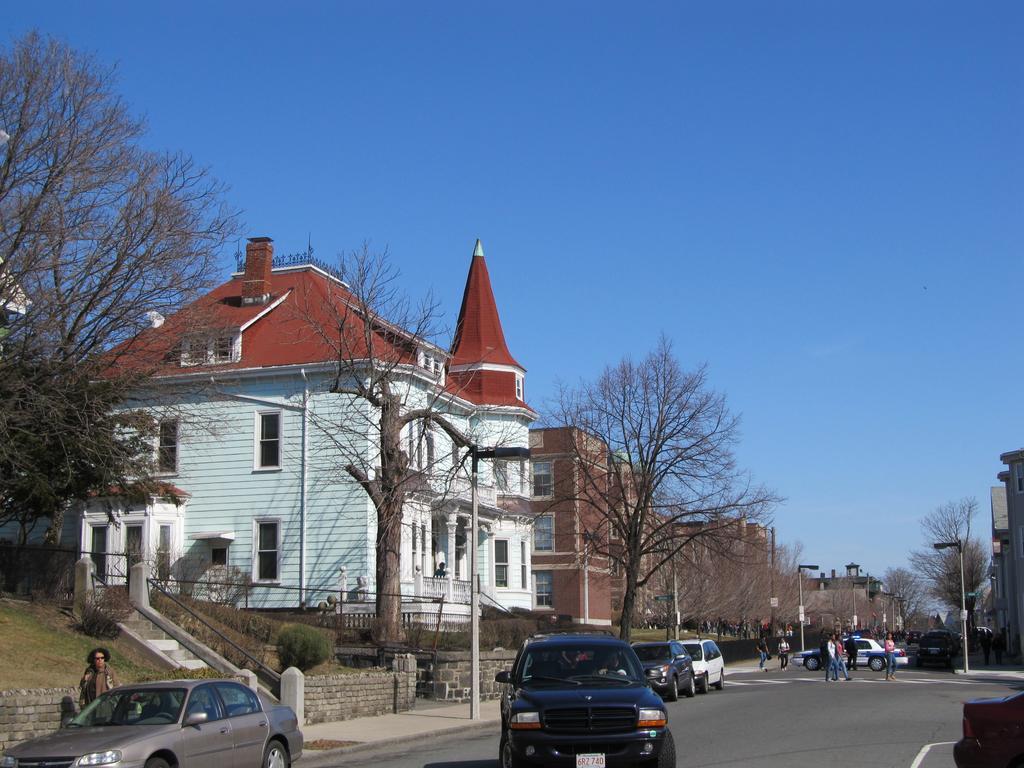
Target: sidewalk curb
{"type": "Point", "coordinates": [320, 756]}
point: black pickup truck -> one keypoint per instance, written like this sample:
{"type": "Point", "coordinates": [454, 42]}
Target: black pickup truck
{"type": "Point", "coordinates": [937, 648]}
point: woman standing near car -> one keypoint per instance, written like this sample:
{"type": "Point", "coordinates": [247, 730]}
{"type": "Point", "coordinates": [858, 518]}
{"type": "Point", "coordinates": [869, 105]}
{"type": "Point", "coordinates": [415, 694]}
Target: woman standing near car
{"type": "Point", "coordinates": [890, 657]}
{"type": "Point", "coordinates": [98, 676]}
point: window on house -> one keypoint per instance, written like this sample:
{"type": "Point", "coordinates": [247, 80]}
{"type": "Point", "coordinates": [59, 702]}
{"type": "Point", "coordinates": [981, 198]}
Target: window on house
{"type": "Point", "coordinates": [163, 553]}
{"type": "Point", "coordinates": [99, 551]}
{"type": "Point", "coordinates": [1018, 471]}
{"type": "Point", "coordinates": [267, 550]}
{"type": "Point", "coordinates": [519, 387]}
{"type": "Point", "coordinates": [522, 565]}
{"type": "Point", "coordinates": [543, 594]}
{"type": "Point", "coordinates": [501, 475]}
{"type": "Point", "coordinates": [167, 450]}
{"type": "Point", "coordinates": [224, 349]}
{"type": "Point", "coordinates": [219, 556]}
{"type": "Point", "coordinates": [613, 566]}
{"type": "Point", "coordinates": [543, 479]}
{"type": "Point", "coordinates": [544, 534]}
{"type": "Point", "coordinates": [455, 455]}
{"type": "Point", "coordinates": [429, 437]}
{"type": "Point", "coordinates": [522, 476]}
{"type": "Point", "coordinates": [501, 562]}
{"type": "Point", "coordinates": [269, 440]}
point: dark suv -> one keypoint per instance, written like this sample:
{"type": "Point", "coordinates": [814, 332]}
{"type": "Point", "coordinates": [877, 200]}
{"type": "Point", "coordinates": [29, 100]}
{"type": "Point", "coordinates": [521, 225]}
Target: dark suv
{"type": "Point", "coordinates": [668, 667]}
{"type": "Point", "coordinates": [937, 647]}
{"type": "Point", "coordinates": [581, 700]}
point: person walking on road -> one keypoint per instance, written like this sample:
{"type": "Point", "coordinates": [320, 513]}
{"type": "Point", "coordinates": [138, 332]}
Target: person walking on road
{"type": "Point", "coordinates": [783, 653]}
{"type": "Point", "coordinates": [762, 649]}
{"type": "Point", "coordinates": [851, 653]}
{"type": "Point", "coordinates": [825, 655]}
{"type": "Point", "coordinates": [890, 657]}
{"type": "Point", "coordinates": [838, 665]}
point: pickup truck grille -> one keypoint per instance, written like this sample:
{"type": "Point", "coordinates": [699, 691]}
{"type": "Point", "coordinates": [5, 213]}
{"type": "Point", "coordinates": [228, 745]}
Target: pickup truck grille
{"type": "Point", "coordinates": [590, 719]}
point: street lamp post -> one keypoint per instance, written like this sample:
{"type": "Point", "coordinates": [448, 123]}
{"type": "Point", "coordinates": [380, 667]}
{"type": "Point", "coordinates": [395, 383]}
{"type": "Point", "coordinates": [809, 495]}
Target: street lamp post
{"type": "Point", "coordinates": [800, 583]}
{"type": "Point", "coordinates": [476, 453]}
{"type": "Point", "coordinates": [963, 595]}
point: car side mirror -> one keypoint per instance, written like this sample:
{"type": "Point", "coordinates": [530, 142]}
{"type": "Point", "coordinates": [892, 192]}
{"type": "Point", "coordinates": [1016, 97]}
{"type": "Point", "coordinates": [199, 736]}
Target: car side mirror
{"type": "Point", "coordinates": [196, 718]}
{"type": "Point", "coordinates": [503, 677]}
{"type": "Point", "coordinates": [682, 656]}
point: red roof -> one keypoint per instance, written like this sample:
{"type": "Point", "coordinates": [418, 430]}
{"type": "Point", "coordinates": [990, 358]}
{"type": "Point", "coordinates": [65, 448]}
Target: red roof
{"type": "Point", "coordinates": [298, 325]}
{"type": "Point", "coordinates": [478, 334]}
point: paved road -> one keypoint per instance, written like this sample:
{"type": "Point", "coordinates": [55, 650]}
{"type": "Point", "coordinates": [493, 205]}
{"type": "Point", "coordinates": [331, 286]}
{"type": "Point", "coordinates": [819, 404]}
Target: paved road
{"type": "Point", "coordinates": [778, 720]}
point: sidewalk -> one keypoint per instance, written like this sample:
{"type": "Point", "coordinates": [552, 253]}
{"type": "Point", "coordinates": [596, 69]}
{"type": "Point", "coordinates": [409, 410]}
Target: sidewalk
{"type": "Point", "coordinates": [428, 720]}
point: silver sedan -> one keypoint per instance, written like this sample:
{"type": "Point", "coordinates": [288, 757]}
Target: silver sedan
{"type": "Point", "coordinates": [193, 723]}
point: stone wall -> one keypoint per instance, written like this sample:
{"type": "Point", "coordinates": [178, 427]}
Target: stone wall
{"type": "Point", "coordinates": [374, 692]}
{"type": "Point", "coordinates": [448, 679]}
{"type": "Point", "coordinates": [27, 713]}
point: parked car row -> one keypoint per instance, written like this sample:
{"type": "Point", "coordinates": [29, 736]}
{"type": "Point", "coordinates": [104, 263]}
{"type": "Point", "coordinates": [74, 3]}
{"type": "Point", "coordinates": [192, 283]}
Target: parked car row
{"type": "Point", "coordinates": [687, 666]}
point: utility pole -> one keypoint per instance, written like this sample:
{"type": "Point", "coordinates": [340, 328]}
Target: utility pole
{"type": "Point", "coordinates": [772, 597]}
{"type": "Point", "coordinates": [675, 600]}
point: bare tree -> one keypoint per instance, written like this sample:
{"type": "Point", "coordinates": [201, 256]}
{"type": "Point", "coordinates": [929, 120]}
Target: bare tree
{"type": "Point", "coordinates": [939, 569]}
{"type": "Point", "coordinates": [392, 408]}
{"type": "Point", "coordinates": [655, 448]}
{"type": "Point", "coordinates": [905, 585]}
{"type": "Point", "coordinates": [97, 235]}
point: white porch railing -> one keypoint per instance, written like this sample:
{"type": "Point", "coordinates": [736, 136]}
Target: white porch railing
{"type": "Point", "coordinates": [452, 590]}
{"type": "Point", "coordinates": [487, 494]}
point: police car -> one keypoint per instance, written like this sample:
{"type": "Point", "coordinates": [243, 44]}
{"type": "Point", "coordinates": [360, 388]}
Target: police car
{"type": "Point", "coordinates": [869, 654]}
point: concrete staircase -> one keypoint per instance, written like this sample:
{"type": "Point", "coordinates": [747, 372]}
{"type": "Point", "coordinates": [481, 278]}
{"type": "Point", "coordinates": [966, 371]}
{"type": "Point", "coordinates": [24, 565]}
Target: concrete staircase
{"type": "Point", "coordinates": [157, 639]}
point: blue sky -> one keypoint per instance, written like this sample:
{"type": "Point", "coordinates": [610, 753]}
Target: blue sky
{"type": "Point", "coordinates": [821, 200]}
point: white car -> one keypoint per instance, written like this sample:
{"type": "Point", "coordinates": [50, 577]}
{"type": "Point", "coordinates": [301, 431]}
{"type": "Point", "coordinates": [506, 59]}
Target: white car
{"type": "Point", "coordinates": [708, 664]}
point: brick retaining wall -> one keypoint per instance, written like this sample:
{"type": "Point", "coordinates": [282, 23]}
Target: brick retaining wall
{"type": "Point", "coordinates": [27, 713]}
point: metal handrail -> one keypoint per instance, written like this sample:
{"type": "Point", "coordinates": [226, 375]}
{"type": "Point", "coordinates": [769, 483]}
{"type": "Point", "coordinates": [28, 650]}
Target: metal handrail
{"type": "Point", "coordinates": [274, 676]}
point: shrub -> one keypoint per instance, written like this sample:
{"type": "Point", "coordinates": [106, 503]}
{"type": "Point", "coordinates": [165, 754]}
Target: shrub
{"type": "Point", "coordinates": [302, 646]}
{"type": "Point", "coordinates": [101, 614]}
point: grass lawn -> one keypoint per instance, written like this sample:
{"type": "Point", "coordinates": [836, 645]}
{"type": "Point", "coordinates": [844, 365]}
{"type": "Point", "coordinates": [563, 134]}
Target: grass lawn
{"type": "Point", "coordinates": [42, 649]}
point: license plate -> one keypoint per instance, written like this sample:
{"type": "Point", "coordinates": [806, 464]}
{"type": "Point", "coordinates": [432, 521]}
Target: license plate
{"type": "Point", "coordinates": [590, 760]}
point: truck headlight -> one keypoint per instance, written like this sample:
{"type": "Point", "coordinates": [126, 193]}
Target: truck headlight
{"type": "Point", "coordinates": [8, 761]}
{"type": "Point", "coordinates": [525, 721]}
{"type": "Point", "coordinates": [652, 718]}
{"type": "Point", "coordinates": [101, 758]}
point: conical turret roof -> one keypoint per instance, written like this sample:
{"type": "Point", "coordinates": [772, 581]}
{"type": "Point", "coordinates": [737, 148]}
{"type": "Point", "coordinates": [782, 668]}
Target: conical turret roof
{"type": "Point", "coordinates": [478, 334]}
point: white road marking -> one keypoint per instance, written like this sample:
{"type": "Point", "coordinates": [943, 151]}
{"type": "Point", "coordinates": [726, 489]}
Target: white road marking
{"type": "Point", "coordinates": [924, 751]}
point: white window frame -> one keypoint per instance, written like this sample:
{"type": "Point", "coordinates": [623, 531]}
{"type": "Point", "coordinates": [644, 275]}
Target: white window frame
{"type": "Point", "coordinates": [551, 548]}
{"type": "Point", "coordinates": [502, 564]}
{"type": "Point", "coordinates": [256, 523]}
{"type": "Point", "coordinates": [551, 589]}
{"type": "Point", "coordinates": [257, 456]}
{"type": "Point", "coordinates": [520, 393]}
{"type": "Point", "coordinates": [160, 446]}
{"type": "Point", "coordinates": [501, 476]}
{"type": "Point", "coordinates": [524, 576]}
{"type": "Point", "coordinates": [533, 479]}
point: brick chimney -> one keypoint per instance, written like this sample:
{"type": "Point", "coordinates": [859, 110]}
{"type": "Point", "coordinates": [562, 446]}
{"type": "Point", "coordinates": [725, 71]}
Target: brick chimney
{"type": "Point", "coordinates": [259, 257]}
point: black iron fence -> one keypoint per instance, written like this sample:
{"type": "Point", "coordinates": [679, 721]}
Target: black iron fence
{"type": "Point", "coordinates": [47, 572]}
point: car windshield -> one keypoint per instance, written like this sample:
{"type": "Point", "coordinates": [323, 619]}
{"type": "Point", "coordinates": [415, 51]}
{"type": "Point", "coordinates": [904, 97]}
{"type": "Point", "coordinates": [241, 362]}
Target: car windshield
{"type": "Point", "coordinates": [695, 651]}
{"type": "Point", "coordinates": [581, 664]}
{"type": "Point", "coordinates": [653, 652]}
{"type": "Point", "coordinates": [127, 706]}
